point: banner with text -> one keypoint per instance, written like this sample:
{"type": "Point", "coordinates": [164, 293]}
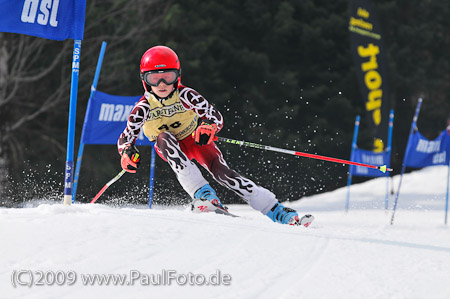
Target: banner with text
{"type": "Point", "coordinates": [107, 117]}
{"type": "Point", "coordinates": [422, 152]}
{"type": "Point", "coordinates": [369, 157]}
{"type": "Point", "coordinates": [370, 62]}
{"type": "Point", "coordinates": [51, 19]}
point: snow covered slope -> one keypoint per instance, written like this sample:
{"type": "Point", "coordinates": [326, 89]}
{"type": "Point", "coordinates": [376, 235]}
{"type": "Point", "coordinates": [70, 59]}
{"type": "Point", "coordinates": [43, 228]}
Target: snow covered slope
{"type": "Point", "coordinates": [341, 255]}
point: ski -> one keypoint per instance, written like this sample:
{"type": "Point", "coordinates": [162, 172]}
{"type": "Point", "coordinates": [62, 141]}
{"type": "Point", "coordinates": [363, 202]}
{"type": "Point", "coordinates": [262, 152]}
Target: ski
{"type": "Point", "coordinates": [202, 206]}
{"type": "Point", "coordinates": [305, 220]}
{"type": "Point", "coordinates": [205, 206]}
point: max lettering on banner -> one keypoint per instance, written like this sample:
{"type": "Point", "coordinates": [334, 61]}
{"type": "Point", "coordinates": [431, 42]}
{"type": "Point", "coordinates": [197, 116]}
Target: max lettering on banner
{"type": "Point", "coordinates": [111, 112]}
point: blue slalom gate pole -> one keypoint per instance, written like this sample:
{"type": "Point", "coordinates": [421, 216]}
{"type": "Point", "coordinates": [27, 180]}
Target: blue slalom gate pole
{"type": "Point", "coordinates": [446, 197]}
{"type": "Point", "coordinates": [448, 177]}
{"type": "Point", "coordinates": [352, 156]}
{"type": "Point", "coordinates": [389, 149]}
{"type": "Point", "coordinates": [86, 117]}
{"type": "Point", "coordinates": [72, 118]}
{"type": "Point", "coordinates": [413, 127]}
{"type": "Point", "coordinates": [152, 178]}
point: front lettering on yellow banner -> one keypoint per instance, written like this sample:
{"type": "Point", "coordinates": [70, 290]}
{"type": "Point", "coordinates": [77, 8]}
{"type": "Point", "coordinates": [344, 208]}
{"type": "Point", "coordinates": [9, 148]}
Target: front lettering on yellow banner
{"type": "Point", "coordinates": [378, 145]}
{"type": "Point", "coordinates": [373, 81]}
{"type": "Point", "coordinates": [363, 13]}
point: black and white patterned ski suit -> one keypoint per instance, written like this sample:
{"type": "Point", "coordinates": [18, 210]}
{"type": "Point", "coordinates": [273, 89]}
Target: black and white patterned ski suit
{"type": "Point", "coordinates": [170, 124]}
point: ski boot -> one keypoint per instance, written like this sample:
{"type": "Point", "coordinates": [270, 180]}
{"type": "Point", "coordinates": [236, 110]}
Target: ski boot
{"type": "Point", "coordinates": [284, 215]}
{"type": "Point", "coordinates": [206, 200]}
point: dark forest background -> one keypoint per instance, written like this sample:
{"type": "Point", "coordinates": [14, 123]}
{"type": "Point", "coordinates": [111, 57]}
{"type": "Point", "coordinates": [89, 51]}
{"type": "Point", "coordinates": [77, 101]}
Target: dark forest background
{"type": "Point", "coordinates": [281, 73]}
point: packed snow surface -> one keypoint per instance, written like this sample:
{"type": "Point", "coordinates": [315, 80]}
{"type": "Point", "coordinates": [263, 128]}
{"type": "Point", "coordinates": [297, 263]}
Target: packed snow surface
{"type": "Point", "coordinates": [358, 254]}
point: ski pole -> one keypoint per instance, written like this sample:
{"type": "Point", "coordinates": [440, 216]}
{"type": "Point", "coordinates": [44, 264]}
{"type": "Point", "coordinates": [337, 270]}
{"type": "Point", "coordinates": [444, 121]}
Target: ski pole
{"type": "Point", "coordinates": [382, 168]}
{"type": "Point", "coordinates": [118, 176]}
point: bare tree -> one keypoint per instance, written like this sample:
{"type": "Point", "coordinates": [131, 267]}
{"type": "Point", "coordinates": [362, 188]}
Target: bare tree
{"type": "Point", "coordinates": [3, 75]}
{"type": "Point", "coordinates": [35, 76]}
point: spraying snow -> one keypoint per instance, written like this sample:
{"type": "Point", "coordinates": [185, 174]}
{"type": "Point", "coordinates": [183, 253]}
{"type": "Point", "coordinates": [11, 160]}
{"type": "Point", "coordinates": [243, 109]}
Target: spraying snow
{"type": "Point", "coordinates": [341, 255]}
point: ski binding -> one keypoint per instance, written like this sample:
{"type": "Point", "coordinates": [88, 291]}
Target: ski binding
{"type": "Point", "coordinates": [205, 206]}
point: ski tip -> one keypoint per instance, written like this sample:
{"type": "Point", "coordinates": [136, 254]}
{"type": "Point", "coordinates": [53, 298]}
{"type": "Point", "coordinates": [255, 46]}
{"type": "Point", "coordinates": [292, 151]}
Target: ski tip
{"type": "Point", "coordinates": [306, 220]}
{"type": "Point", "coordinates": [384, 169]}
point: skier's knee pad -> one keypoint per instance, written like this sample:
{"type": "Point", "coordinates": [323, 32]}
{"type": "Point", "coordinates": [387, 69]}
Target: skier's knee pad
{"type": "Point", "coordinates": [163, 137]}
{"type": "Point", "coordinates": [166, 142]}
{"type": "Point", "coordinates": [187, 172]}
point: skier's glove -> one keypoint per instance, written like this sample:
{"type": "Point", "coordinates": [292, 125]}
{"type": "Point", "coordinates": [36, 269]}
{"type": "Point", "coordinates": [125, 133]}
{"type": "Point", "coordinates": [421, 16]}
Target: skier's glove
{"type": "Point", "coordinates": [131, 159]}
{"type": "Point", "coordinates": [205, 133]}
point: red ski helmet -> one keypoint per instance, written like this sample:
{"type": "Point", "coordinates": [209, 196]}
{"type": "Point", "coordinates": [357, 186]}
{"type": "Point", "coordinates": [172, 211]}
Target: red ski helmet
{"type": "Point", "coordinates": [159, 59]}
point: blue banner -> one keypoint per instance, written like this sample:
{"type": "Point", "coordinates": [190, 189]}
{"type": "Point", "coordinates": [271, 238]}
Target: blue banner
{"type": "Point", "coordinates": [369, 157]}
{"type": "Point", "coordinates": [423, 152]}
{"type": "Point", "coordinates": [107, 117]}
{"type": "Point", "coordinates": [51, 19]}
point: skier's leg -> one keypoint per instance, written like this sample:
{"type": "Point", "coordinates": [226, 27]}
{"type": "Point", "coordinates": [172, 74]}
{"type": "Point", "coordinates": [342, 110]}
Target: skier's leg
{"type": "Point", "coordinates": [188, 174]}
{"type": "Point", "coordinates": [257, 197]}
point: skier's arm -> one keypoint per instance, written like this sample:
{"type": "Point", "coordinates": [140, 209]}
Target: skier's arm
{"type": "Point", "coordinates": [135, 122]}
{"type": "Point", "coordinates": [192, 100]}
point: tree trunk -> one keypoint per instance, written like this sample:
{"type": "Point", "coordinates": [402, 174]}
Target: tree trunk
{"type": "Point", "coordinates": [3, 80]}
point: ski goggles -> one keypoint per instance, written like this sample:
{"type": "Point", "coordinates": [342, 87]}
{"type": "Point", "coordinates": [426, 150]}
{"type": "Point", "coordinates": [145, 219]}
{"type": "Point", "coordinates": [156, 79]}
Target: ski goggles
{"type": "Point", "coordinates": [153, 78]}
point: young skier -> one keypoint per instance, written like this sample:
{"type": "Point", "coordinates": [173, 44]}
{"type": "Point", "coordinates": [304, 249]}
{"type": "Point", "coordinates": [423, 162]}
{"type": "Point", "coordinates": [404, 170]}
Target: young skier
{"type": "Point", "coordinates": [183, 126]}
